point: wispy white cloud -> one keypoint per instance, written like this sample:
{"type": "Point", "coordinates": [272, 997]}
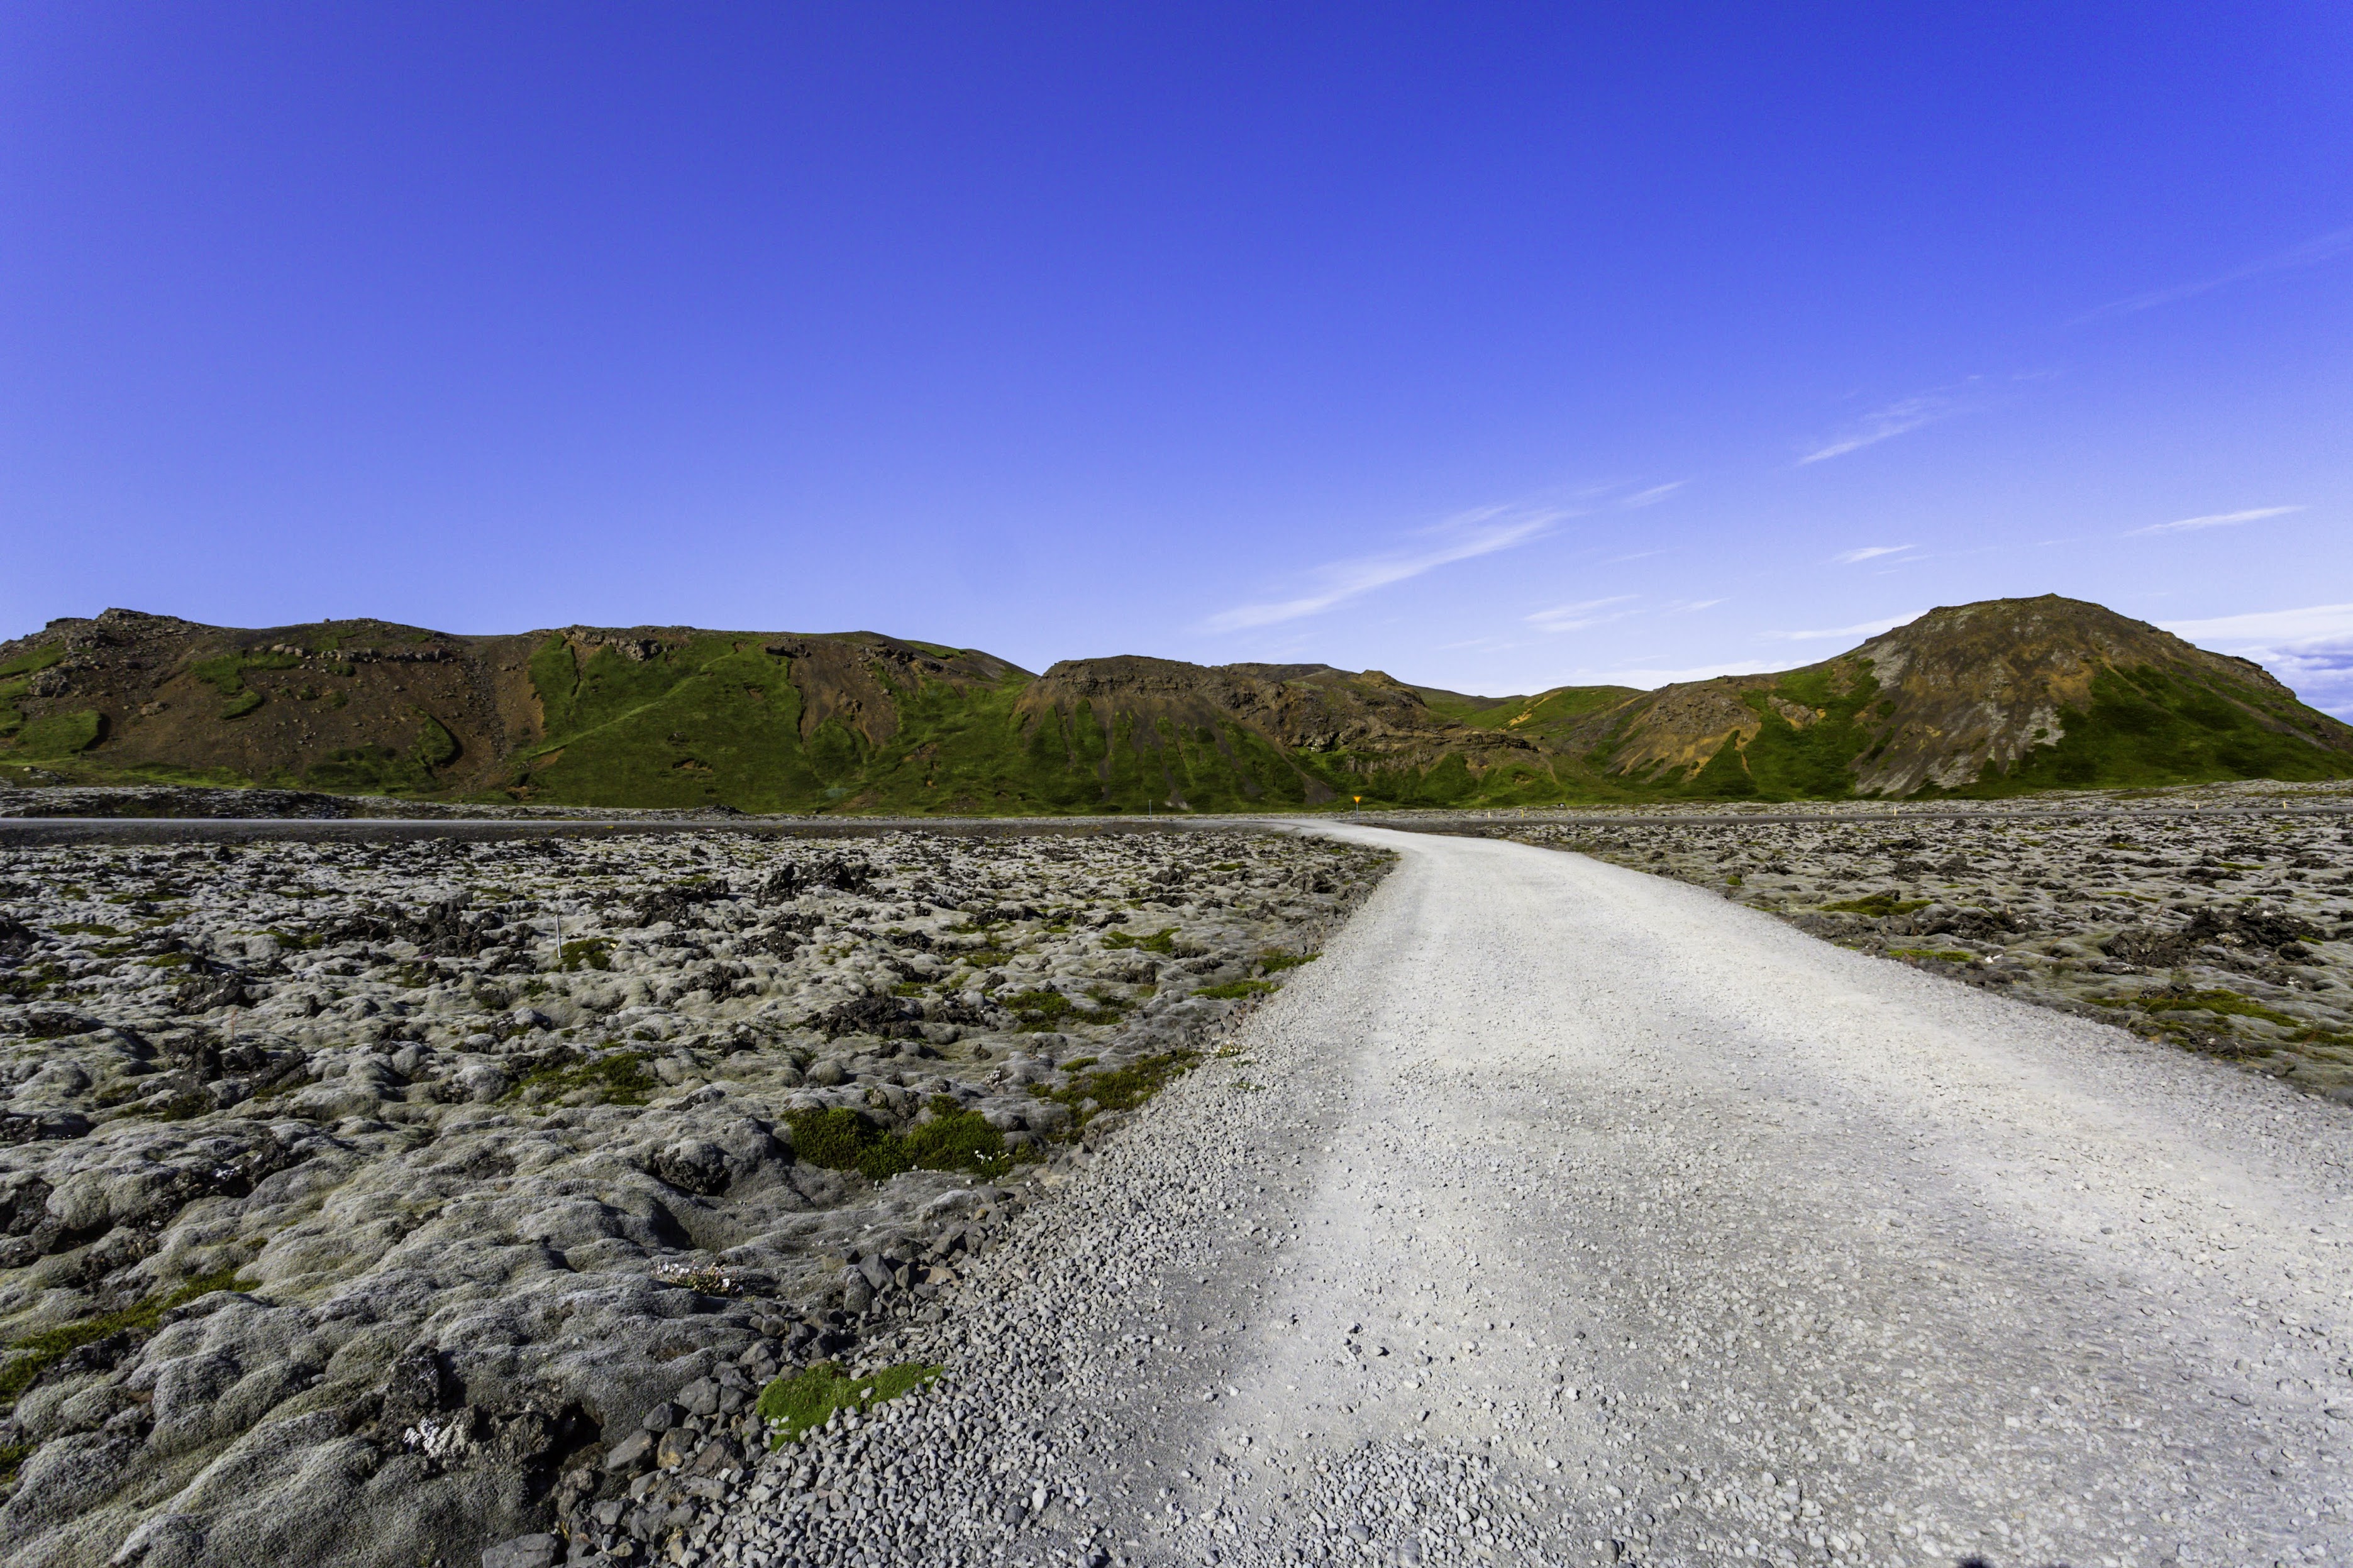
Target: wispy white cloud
{"type": "Point", "coordinates": [1463, 537]}
{"type": "Point", "coordinates": [1863, 629]}
{"type": "Point", "coordinates": [1648, 677]}
{"type": "Point", "coordinates": [2311, 253]}
{"type": "Point", "coordinates": [1681, 606]}
{"type": "Point", "coordinates": [1899, 418]}
{"type": "Point", "coordinates": [2215, 520]}
{"type": "Point", "coordinates": [1655, 494]}
{"type": "Point", "coordinates": [2314, 623]}
{"type": "Point", "coordinates": [1869, 551]}
{"type": "Point", "coordinates": [1584, 613]}
{"type": "Point", "coordinates": [2310, 649]}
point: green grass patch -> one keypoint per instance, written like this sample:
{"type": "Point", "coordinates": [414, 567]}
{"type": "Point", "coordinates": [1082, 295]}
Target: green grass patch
{"type": "Point", "coordinates": [1161, 942]}
{"type": "Point", "coordinates": [793, 1406]}
{"type": "Point", "coordinates": [842, 1139]}
{"type": "Point", "coordinates": [1943, 954]}
{"type": "Point", "coordinates": [618, 1078]}
{"type": "Point", "coordinates": [588, 952]}
{"type": "Point", "coordinates": [61, 734]}
{"type": "Point", "coordinates": [1117, 1088]}
{"type": "Point", "coordinates": [2221, 1004]}
{"type": "Point", "coordinates": [1878, 906]}
{"type": "Point", "coordinates": [243, 703]}
{"type": "Point", "coordinates": [225, 672]}
{"type": "Point", "coordinates": [1235, 990]}
{"type": "Point", "coordinates": [1037, 1010]}
{"type": "Point", "coordinates": [31, 663]}
{"type": "Point", "coordinates": [34, 1353]}
{"type": "Point", "coordinates": [1274, 961]}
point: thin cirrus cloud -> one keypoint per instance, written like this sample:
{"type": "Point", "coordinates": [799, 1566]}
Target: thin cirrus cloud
{"type": "Point", "coordinates": [1584, 613]}
{"type": "Point", "coordinates": [1654, 495]}
{"type": "Point", "coordinates": [1862, 629]}
{"type": "Point", "coordinates": [1467, 535]}
{"type": "Point", "coordinates": [2309, 647]}
{"type": "Point", "coordinates": [1649, 677]}
{"type": "Point", "coordinates": [2311, 253]}
{"type": "Point", "coordinates": [2313, 623]}
{"type": "Point", "coordinates": [1897, 418]}
{"type": "Point", "coordinates": [2214, 520]}
{"type": "Point", "coordinates": [1868, 553]}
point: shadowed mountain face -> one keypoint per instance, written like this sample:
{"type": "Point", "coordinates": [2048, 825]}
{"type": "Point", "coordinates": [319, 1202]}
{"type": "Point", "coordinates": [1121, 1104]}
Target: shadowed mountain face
{"type": "Point", "coordinates": [1994, 697]}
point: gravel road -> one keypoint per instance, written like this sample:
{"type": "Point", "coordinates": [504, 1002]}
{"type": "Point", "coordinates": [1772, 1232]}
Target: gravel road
{"type": "Point", "coordinates": [1561, 1213]}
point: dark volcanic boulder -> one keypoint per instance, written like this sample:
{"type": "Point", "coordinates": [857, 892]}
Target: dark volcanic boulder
{"type": "Point", "coordinates": [893, 1017]}
{"type": "Point", "coordinates": [678, 904]}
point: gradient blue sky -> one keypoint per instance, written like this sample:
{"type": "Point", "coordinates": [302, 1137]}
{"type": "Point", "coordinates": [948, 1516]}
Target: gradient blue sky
{"type": "Point", "coordinates": [1497, 347]}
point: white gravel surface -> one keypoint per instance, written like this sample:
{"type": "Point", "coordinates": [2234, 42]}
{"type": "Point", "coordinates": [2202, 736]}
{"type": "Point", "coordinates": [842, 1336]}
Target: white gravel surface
{"type": "Point", "coordinates": [1562, 1213]}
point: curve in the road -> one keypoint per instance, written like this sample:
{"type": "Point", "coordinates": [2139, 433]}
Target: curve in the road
{"type": "Point", "coordinates": [1564, 1214]}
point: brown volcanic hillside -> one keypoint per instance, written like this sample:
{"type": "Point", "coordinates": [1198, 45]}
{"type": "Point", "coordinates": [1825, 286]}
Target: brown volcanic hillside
{"type": "Point", "coordinates": [1380, 724]}
{"type": "Point", "coordinates": [2006, 695]}
{"type": "Point", "coordinates": [372, 706]}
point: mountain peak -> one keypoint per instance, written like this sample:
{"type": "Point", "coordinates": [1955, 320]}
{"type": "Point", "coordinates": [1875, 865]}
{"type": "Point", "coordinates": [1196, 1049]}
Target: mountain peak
{"type": "Point", "coordinates": [1989, 698]}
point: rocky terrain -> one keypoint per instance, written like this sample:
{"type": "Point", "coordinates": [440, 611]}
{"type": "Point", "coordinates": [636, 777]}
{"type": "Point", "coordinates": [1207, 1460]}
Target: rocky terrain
{"type": "Point", "coordinates": [2232, 936]}
{"type": "Point", "coordinates": [370, 1204]}
{"type": "Point", "coordinates": [2004, 696]}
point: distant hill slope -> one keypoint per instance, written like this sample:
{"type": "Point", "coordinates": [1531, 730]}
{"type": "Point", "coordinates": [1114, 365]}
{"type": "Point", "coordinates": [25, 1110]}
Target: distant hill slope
{"type": "Point", "coordinates": [1986, 699]}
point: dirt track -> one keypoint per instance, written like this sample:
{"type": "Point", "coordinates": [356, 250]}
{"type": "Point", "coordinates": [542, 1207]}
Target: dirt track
{"type": "Point", "coordinates": [1564, 1214]}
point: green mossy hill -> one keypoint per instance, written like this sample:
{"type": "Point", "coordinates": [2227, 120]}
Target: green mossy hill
{"type": "Point", "coordinates": [1996, 698]}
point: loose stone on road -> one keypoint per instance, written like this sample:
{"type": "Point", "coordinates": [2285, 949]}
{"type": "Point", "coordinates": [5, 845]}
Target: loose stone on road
{"type": "Point", "coordinates": [1562, 1213]}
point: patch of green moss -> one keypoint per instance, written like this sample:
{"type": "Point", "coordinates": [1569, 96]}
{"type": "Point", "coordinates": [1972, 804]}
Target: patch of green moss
{"type": "Point", "coordinates": [842, 1139]}
{"type": "Point", "coordinates": [33, 661]}
{"type": "Point", "coordinates": [2222, 1004]}
{"type": "Point", "coordinates": [588, 952]}
{"type": "Point", "coordinates": [1037, 1010]}
{"type": "Point", "coordinates": [617, 1078]}
{"type": "Point", "coordinates": [1878, 906]}
{"type": "Point", "coordinates": [1944, 954]}
{"type": "Point", "coordinates": [61, 734]}
{"type": "Point", "coordinates": [793, 1406]}
{"type": "Point", "coordinates": [1237, 989]}
{"type": "Point", "coordinates": [1161, 942]}
{"type": "Point", "coordinates": [24, 984]}
{"type": "Point", "coordinates": [34, 1353]}
{"type": "Point", "coordinates": [1274, 960]}
{"type": "Point", "coordinates": [225, 672]}
{"type": "Point", "coordinates": [1117, 1088]}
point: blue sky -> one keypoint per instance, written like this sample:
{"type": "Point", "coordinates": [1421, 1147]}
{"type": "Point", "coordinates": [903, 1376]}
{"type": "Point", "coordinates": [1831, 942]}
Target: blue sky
{"type": "Point", "coordinates": [1496, 347]}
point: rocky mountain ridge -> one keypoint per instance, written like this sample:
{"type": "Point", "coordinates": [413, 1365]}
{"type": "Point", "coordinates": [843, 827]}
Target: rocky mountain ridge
{"type": "Point", "coordinates": [1999, 697]}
